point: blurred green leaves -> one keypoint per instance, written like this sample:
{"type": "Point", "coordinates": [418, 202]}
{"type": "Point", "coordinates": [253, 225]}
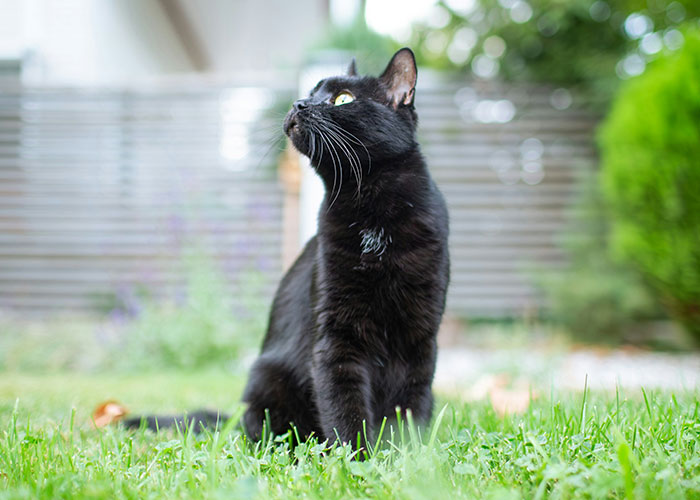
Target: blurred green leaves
{"type": "Point", "coordinates": [372, 50]}
{"type": "Point", "coordinates": [209, 326]}
{"type": "Point", "coordinates": [595, 297]}
{"type": "Point", "coordinates": [585, 43]}
{"type": "Point", "coordinates": [212, 321]}
{"type": "Point", "coordinates": [650, 145]}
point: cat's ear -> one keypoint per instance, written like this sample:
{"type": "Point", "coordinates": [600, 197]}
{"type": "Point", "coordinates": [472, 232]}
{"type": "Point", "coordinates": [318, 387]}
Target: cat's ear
{"type": "Point", "coordinates": [399, 78]}
{"type": "Point", "coordinates": [352, 69]}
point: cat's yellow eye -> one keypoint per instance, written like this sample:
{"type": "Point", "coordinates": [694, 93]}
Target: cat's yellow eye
{"type": "Point", "coordinates": [343, 98]}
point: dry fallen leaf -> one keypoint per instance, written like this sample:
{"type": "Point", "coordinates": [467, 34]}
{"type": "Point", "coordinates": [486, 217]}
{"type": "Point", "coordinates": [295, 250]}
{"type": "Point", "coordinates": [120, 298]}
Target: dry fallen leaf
{"type": "Point", "coordinates": [510, 401]}
{"type": "Point", "coordinates": [507, 396]}
{"type": "Point", "coordinates": [108, 412]}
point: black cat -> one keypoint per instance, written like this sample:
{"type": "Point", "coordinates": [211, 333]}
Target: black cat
{"type": "Point", "coordinates": [352, 332]}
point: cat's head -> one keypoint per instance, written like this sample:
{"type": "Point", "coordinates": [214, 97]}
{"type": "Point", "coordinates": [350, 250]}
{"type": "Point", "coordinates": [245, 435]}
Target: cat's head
{"type": "Point", "coordinates": [350, 124]}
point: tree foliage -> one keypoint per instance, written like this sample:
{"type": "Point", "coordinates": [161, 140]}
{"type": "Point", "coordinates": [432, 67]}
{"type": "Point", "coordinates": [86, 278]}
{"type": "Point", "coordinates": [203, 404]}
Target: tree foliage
{"type": "Point", "coordinates": [585, 43]}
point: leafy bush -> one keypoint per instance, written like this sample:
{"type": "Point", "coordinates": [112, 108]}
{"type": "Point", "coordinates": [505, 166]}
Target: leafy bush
{"type": "Point", "coordinates": [594, 297]}
{"type": "Point", "coordinates": [59, 343]}
{"type": "Point", "coordinates": [650, 146]}
{"type": "Point", "coordinates": [204, 328]}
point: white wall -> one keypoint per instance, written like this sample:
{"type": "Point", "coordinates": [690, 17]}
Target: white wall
{"type": "Point", "coordinates": [12, 31]}
{"type": "Point", "coordinates": [254, 35]}
{"type": "Point", "coordinates": [111, 42]}
{"type": "Point", "coordinates": [104, 42]}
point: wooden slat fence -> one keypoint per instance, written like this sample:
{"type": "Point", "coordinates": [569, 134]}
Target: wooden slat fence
{"type": "Point", "coordinates": [103, 190]}
{"type": "Point", "coordinates": [508, 159]}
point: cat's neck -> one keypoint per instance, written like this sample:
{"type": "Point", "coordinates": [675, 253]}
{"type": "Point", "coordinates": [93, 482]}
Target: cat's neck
{"type": "Point", "coordinates": [386, 191]}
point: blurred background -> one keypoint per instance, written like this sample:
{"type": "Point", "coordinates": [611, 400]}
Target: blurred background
{"type": "Point", "coordinates": [149, 202]}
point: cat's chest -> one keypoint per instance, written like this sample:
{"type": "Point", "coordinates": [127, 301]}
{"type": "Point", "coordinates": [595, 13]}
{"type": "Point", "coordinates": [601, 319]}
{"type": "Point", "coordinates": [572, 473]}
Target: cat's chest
{"type": "Point", "coordinates": [362, 248]}
{"type": "Point", "coordinates": [374, 255]}
{"type": "Point", "coordinates": [374, 242]}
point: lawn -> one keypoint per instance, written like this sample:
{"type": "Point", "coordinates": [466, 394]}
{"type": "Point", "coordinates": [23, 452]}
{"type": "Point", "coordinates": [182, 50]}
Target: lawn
{"type": "Point", "coordinates": [572, 445]}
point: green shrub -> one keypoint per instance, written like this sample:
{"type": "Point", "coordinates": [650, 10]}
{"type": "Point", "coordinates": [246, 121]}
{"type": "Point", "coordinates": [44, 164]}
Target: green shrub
{"type": "Point", "coordinates": [203, 329]}
{"type": "Point", "coordinates": [650, 145]}
{"type": "Point", "coordinates": [212, 323]}
{"type": "Point", "coordinates": [57, 343]}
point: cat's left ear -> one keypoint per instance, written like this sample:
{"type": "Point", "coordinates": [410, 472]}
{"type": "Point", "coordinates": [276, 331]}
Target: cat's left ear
{"type": "Point", "coordinates": [352, 69]}
{"type": "Point", "coordinates": [399, 78]}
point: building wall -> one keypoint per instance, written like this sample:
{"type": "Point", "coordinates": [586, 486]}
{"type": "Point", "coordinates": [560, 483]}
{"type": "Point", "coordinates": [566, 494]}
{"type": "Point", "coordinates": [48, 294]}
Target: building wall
{"type": "Point", "coordinates": [90, 42]}
{"type": "Point", "coordinates": [117, 42]}
{"type": "Point", "coordinates": [12, 31]}
{"type": "Point", "coordinates": [254, 36]}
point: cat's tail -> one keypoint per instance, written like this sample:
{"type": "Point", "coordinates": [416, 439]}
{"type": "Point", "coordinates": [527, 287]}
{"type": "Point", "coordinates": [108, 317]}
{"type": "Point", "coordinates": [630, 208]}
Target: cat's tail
{"type": "Point", "coordinates": [198, 421]}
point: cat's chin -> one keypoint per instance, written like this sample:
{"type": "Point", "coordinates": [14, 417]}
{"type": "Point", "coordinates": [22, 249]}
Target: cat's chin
{"type": "Point", "coordinates": [298, 140]}
{"type": "Point", "coordinates": [290, 125]}
{"type": "Point", "coordinates": [295, 130]}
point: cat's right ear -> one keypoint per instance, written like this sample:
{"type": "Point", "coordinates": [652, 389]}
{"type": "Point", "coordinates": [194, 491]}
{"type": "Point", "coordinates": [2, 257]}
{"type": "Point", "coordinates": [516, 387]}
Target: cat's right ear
{"type": "Point", "coordinates": [352, 69]}
{"type": "Point", "coordinates": [399, 78]}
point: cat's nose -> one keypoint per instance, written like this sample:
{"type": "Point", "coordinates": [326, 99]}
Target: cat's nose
{"type": "Point", "coordinates": [300, 104]}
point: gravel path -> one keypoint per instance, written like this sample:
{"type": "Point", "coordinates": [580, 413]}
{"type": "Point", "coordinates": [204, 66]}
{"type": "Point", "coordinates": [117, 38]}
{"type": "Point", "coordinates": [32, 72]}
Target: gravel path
{"type": "Point", "coordinates": [476, 369]}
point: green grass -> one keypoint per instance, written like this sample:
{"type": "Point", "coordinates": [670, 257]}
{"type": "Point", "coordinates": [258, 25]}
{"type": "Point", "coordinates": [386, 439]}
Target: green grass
{"type": "Point", "coordinates": [566, 446]}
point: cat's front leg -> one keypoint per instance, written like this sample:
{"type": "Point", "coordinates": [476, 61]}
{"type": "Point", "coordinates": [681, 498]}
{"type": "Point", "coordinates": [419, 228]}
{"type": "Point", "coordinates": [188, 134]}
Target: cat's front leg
{"type": "Point", "coordinates": [343, 391]}
{"type": "Point", "coordinates": [418, 398]}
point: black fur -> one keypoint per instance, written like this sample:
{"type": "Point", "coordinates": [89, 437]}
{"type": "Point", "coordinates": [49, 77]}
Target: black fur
{"type": "Point", "coordinates": [352, 331]}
